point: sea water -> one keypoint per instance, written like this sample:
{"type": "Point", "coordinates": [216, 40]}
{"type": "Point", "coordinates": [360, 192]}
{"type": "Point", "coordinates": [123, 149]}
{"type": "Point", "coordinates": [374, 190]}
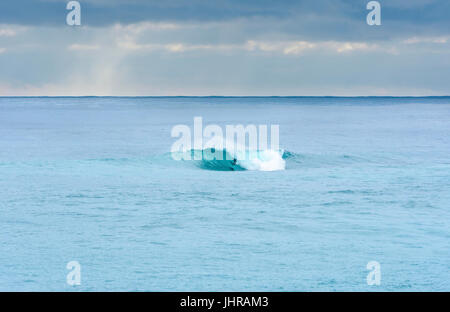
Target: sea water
{"type": "Point", "coordinates": [91, 180]}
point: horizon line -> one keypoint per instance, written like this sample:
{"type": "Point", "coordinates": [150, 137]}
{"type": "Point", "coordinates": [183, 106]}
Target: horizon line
{"type": "Point", "coordinates": [224, 96]}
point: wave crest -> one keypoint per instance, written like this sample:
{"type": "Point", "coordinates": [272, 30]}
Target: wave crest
{"type": "Point", "coordinates": [265, 160]}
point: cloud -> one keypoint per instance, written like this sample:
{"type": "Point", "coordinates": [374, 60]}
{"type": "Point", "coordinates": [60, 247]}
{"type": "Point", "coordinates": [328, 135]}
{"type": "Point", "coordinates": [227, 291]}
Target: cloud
{"type": "Point", "coordinates": [293, 47]}
{"type": "Point", "coordinates": [150, 37]}
{"type": "Point", "coordinates": [299, 47]}
{"type": "Point", "coordinates": [83, 47]}
{"type": "Point", "coordinates": [342, 47]}
{"type": "Point", "coordinates": [137, 28]}
{"type": "Point", "coordinates": [342, 20]}
{"type": "Point", "coordinates": [11, 30]}
{"type": "Point", "coordinates": [415, 40]}
{"type": "Point", "coordinates": [7, 32]}
{"type": "Point", "coordinates": [285, 47]}
{"type": "Point", "coordinates": [176, 47]}
{"type": "Point", "coordinates": [199, 47]}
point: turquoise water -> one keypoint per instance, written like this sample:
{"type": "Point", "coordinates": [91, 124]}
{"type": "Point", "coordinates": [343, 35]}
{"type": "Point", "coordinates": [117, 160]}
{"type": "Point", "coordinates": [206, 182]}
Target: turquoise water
{"type": "Point", "coordinates": [91, 180]}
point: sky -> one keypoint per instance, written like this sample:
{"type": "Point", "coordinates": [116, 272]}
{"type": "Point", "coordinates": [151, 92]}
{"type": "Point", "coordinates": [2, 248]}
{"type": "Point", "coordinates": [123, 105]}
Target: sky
{"type": "Point", "coordinates": [225, 47]}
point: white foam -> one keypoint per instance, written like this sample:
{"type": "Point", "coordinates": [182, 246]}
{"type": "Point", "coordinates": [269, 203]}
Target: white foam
{"type": "Point", "coordinates": [267, 160]}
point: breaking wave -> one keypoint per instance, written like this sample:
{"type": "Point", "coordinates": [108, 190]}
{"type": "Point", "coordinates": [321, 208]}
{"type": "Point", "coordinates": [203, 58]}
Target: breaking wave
{"type": "Point", "coordinates": [226, 160]}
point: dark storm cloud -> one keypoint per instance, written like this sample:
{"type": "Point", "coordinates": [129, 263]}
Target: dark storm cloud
{"type": "Point", "coordinates": [432, 15]}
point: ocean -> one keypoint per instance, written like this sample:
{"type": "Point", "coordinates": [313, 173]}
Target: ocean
{"type": "Point", "coordinates": [92, 180]}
